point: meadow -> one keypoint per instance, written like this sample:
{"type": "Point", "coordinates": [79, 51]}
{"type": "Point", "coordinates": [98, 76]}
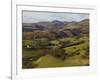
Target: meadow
{"type": "Point", "coordinates": [61, 44]}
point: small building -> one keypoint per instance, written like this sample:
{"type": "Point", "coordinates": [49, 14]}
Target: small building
{"type": "Point", "coordinates": [28, 46]}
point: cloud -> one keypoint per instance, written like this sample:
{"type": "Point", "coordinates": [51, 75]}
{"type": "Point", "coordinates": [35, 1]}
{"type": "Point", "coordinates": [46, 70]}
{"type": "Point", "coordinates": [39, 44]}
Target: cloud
{"type": "Point", "coordinates": [33, 16]}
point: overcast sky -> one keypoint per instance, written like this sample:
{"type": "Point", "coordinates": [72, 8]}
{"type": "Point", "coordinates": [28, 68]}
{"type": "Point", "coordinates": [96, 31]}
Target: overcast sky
{"type": "Point", "coordinates": [33, 16]}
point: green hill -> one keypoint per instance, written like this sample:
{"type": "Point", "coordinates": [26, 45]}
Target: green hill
{"type": "Point", "coordinates": [48, 61]}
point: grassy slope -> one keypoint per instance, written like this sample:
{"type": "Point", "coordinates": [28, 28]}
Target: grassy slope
{"type": "Point", "coordinates": [50, 61]}
{"type": "Point", "coordinates": [76, 61]}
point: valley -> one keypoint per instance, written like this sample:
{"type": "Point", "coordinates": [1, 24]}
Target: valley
{"type": "Point", "coordinates": [55, 44]}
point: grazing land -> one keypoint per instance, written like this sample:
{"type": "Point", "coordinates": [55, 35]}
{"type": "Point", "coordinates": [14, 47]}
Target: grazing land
{"type": "Point", "coordinates": [55, 44]}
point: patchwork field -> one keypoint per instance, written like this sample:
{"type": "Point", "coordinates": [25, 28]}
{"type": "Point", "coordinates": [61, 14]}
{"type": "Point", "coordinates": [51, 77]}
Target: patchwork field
{"type": "Point", "coordinates": [48, 46]}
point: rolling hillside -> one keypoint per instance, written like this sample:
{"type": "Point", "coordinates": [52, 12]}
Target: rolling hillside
{"type": "Point", "coordinates": [55, 44]}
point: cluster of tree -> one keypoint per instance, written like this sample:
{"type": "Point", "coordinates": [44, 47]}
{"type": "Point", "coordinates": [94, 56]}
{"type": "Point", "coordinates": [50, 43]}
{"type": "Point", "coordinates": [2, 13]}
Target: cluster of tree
{"type": "Point", "coordinates": [56, 49]}
{"type": "Point", "coordinates": [58, 53]}
{"type": "Point", "coordinates": [51, 35]}
{"type": "Point", "coordinates": [36, 43]}
{"type": "Point", "coordinates": [46, 30]}
{"type": "Point", "coordinates": [28, 64]}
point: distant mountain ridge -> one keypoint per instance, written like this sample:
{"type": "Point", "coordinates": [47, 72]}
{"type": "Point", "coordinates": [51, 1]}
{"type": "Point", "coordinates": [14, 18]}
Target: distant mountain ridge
{"type": "Point", "coordinates": [56, 24]}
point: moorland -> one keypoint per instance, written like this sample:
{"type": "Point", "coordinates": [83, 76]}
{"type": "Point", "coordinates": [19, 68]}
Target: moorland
{"type": "Point", "coordinates": [55, 44]}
